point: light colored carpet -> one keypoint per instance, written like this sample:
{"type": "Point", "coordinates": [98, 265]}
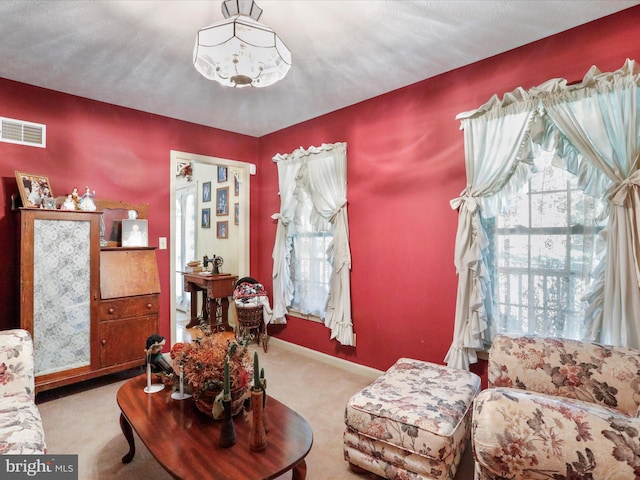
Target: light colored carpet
{"type": "Point", "coordinates": [84, 419]}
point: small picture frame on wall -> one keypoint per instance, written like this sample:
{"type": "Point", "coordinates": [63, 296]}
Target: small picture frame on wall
{"type": "Point", "coordinates": [222, 174]}
{"type": "Point", "coordinates": [33, 189]}
{"type": "Point", "coordinates": [135, 233]}
{"type": "Point", "coordinates": [236, 214]}
{"type": "Point", "coordinates": [222, 229]}
{"type": "Point", "coordinates": [206, 218]}
{"type": "Point", "coordinates": [206, 192]}
{"type": "Point", "coordinates": [222, 201]}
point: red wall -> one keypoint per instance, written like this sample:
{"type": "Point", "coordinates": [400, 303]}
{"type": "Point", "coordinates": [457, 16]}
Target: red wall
{"type": "Point", "coordinates": [405, 162]}
{"type": "Point", "coordinates": [120, 153]}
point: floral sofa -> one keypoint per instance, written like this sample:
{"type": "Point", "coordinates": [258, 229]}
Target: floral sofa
{"type": "Point", "coordinates": [558, 409]}
{"type": "Point", "coordinates": [21, 430]}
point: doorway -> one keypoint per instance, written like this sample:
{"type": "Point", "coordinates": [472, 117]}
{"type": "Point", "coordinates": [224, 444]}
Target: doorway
{"type": "Point", "coordinates": [195, 198]}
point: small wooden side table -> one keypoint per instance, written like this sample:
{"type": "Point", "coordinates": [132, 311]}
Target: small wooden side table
{"type": "Point", "coordinates": [216, 290]}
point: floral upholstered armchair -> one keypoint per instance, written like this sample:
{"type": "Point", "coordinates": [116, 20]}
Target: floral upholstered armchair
{"type": "Point", "coordinates": [558, 409]}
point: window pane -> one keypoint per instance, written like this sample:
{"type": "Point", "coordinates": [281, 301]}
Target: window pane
{"type": "Point", "coordinates": [548, 251]}
{"type": "Point", "coordinates": [310, 269]}
{"type": "Point", "coordinates": [543, 250]}
{"type": "Point", "coordinates": [549, 210]}
{"type": "Point", "coordinates": [518, 213]}
{"type": "Point", "coordinates": [514, 251]}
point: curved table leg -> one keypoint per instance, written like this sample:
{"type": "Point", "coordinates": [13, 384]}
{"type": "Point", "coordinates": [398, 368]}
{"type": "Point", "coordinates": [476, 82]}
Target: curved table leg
{"type": "Point", "coordinates": [128, 434]}
{"type": "Point", "coordinates": [299, 472]}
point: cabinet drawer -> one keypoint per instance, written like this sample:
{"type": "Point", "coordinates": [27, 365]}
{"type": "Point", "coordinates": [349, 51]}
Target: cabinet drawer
{"type": "Point", "coordinates": [128, 307]}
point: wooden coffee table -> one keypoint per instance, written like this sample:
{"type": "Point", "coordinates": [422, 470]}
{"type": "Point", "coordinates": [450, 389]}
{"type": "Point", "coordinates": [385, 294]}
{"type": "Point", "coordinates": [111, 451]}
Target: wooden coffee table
{"type": "Point", "coordinates": [186, 442]}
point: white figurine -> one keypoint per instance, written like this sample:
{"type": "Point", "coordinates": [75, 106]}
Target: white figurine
{"type": "Point", "coordinates": [69, 203]}
{"type": "Point", "coordinates": [86, 201]}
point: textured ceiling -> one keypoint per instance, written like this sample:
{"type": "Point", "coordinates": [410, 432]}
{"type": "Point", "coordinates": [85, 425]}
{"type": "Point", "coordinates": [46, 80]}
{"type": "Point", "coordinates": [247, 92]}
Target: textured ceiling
{"type": "Point", "coordinates": [138, 54]}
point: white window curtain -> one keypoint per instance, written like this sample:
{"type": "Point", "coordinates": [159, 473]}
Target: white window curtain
{"type": "Point", "coordinates": [594, 125]}
{"type": "Point", "coordinates": [326, 168]}
{"type": "Point", "coordinates": [498, 160]}
{"type": "Point", "coordinates": [599, 118]}
{"type": "Point", "coordinates": [282, 284]}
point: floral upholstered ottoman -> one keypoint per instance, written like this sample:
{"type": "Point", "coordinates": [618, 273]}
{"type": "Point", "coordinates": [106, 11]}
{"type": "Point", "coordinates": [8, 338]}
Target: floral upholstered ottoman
{"type": "Point", "coordinates": [412, 422]}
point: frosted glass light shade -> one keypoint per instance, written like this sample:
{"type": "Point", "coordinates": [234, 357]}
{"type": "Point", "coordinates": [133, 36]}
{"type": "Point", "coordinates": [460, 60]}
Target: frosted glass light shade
{"type": "Point", "coordinates": [239, 52]}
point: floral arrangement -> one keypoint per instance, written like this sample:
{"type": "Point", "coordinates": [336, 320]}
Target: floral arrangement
{"type": "Point", "coordinates": [203, 362]}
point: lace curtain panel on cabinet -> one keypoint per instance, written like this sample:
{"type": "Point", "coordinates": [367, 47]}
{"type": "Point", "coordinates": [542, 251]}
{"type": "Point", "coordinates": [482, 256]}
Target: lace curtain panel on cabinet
{"type": "Point", "coordinates": [61, 296]}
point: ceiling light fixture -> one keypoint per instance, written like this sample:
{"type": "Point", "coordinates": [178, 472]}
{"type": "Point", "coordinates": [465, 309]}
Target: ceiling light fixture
{"type": "Point", "coordinates": [240, 51]}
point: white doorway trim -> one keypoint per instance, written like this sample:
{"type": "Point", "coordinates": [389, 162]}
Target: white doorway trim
{"type": "Point", "coordinates": [245, 169]}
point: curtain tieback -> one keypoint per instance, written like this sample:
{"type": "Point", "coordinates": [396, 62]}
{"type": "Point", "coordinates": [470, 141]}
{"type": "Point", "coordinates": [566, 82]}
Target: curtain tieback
{"type": "Point", "coordinates": [466, 199]}
{"type": "Point", "coordinates": [618, 192]}
{"type": "Point", "coordinates": [337, 210]}
{"type": "Point", "coordinates": [280, 218]}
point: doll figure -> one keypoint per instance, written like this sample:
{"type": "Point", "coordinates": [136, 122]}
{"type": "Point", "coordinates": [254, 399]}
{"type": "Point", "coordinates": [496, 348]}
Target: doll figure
{"type": "Point", "coordinates": [86, 201]}
{"type": "Point", "coordinates": [76, 197]}
{"type": "Point", "coordinates": [154, 355]}
{"type": "Point", "coordinates": [68, 204]}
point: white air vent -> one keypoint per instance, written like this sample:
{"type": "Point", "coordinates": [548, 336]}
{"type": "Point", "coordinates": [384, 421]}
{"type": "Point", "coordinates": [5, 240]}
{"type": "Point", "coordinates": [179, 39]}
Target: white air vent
{"type": "Point", "coordinates": [23, 133]}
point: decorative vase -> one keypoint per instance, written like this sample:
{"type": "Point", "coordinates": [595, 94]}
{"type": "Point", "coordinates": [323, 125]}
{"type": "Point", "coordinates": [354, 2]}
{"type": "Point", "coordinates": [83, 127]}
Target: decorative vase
{"type": "Point", "coordinates": [228, 430]}
{"type": "Point", "coordinates": [205, 400]}
{"type": "Point", "coordinates": [257, 434]}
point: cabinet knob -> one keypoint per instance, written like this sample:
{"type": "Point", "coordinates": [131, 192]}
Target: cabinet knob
{"type": "Point", "coordinates": [111, 310]}
{"type": "Point", "coordinates": [148, 305]}
{"type": "Point", "coordinates": [104, 342]}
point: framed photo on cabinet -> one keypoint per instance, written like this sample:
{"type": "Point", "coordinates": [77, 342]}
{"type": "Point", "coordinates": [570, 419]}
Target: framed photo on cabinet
{"type": "Point", "coordinates": [33, 189]}
{"type": "Point", "coordinates": [135, 233]}
{"type": "Point", "coordinates": [222, 229]}
{"type": "Point", "coordinates": [222, 201]}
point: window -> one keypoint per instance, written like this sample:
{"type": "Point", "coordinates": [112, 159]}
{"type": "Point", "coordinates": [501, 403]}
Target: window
{"type": "Point", "coordinates": [594, 127]}
{"type": "Point", "coordinates": [311, 254]}
{"type": "Point", "coordinates": [310, 269]}
{"type": "Point", "coordinates": [543, 250]}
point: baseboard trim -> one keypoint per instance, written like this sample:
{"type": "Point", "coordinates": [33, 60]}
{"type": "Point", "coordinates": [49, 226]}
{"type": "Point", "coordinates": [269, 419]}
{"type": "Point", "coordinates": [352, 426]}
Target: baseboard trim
{"type": "Point", "coordinates": [351, 367]}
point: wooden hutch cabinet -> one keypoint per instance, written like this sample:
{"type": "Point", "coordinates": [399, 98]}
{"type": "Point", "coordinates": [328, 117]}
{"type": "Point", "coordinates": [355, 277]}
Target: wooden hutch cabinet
{"type": "Point", "coordinates": [89, 308]}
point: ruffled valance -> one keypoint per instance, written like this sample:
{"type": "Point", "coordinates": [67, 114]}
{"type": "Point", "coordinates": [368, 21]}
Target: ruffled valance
{"type": "Point", "coordinates": [301, 153]}
{"type": "Point", "coordinates": [557, 90]}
